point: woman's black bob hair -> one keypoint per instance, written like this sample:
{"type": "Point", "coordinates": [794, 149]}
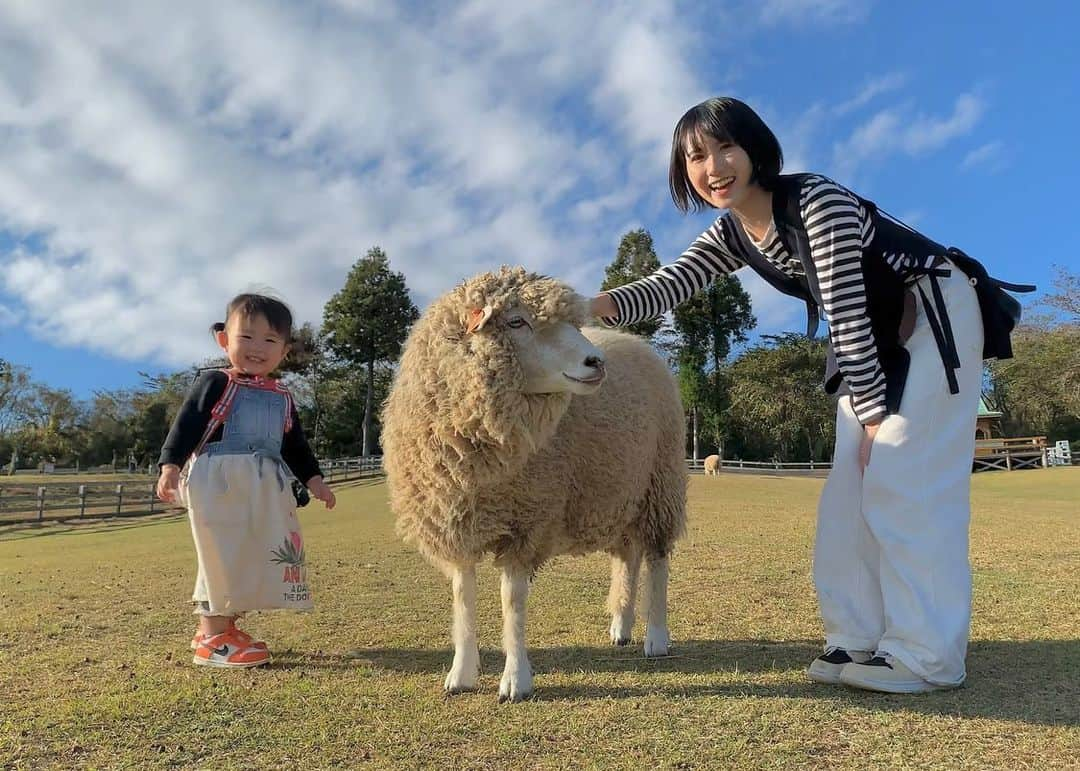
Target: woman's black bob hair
{"type": "Point", "coordinates": [727, 120]}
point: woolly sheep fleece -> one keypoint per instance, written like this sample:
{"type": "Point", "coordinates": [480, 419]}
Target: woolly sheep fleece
{"type": "Point", "coordinates": [474, 466]}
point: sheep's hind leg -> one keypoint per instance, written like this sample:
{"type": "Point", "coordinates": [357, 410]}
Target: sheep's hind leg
{"type": "Point", "coordinates": [517, 679]}
{"type": "Point", "coordinates": [657, 638]}
{"type": "Point", "coordinates": [466, 667]}
{"type": "Point", "coordinates": [624, 577]}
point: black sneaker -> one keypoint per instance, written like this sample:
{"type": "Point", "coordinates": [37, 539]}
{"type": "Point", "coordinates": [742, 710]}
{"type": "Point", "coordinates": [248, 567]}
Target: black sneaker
{"type": "Point", "coordinates": [826, 667]}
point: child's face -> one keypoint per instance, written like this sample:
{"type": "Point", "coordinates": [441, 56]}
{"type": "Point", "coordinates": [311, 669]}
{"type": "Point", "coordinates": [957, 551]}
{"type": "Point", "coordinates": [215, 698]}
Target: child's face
{"type": "Point", "coordinates": [252, 345]}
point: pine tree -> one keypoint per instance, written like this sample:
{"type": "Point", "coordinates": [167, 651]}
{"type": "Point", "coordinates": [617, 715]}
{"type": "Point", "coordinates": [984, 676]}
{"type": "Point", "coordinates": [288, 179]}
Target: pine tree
{"type": "Point", "coordinates": [635, 259]}
{"type": "Point", "coordinates": [366, 323]}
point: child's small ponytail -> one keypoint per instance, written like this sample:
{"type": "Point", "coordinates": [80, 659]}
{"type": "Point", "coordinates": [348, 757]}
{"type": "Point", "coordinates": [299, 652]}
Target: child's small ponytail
{"type": "Point", "coordinates": [217, 326]}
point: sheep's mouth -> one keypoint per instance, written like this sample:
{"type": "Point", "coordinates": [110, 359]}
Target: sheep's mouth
{"type": "Point", "coordinates": [595, 380]}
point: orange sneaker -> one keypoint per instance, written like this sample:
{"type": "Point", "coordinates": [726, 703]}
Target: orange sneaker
{"type": "Point", "coordinates": [231, 649]}
{"type": "Point", "coordinates": [196, 641]}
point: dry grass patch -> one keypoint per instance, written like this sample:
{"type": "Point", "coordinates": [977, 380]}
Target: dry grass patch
{"type": "Point", "coordinates": [95, 667]}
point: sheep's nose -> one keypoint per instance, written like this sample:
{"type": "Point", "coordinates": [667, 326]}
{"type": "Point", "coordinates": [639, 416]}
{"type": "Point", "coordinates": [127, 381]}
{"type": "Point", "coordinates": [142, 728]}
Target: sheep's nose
{"type": "Point", "coordinates": [594, 361]}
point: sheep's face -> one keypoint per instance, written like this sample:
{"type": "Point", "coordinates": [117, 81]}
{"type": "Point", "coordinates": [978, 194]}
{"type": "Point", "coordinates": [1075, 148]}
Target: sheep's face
{"type": "Point", "coordinates": [554, 357]}
{"type": "Point", "coordinates": [527, 328]}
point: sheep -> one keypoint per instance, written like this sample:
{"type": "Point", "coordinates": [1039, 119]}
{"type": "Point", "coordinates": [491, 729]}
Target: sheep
{"type": "Point", "coordinates": [712, 465]}
{"type": "Point", "coordinates": [498, 438]}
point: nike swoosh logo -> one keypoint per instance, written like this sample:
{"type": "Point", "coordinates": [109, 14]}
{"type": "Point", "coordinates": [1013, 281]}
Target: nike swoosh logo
{"type": "Point", "coordinates": [222, 651]}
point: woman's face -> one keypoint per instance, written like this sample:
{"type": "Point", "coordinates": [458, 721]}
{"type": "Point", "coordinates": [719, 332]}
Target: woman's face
{"type": "Point", "coordinates": [720, 171]}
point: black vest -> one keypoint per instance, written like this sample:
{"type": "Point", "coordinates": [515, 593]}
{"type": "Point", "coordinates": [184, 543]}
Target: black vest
{"type": "Point", "coordinates": [885, 289]}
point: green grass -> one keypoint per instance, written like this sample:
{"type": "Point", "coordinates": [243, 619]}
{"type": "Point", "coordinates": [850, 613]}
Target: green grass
{"type": "Point", "coordinates": [95, 672]}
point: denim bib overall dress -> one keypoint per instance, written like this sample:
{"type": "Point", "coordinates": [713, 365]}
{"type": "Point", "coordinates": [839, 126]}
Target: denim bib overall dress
{"type": "Point", "coordinates": [243, 512]}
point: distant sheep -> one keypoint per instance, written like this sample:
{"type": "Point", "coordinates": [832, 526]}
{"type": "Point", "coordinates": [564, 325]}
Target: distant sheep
{"type": "Point", "coordinates": [712, 465]}
{"type": "Point", "coordinates": [499, 439]}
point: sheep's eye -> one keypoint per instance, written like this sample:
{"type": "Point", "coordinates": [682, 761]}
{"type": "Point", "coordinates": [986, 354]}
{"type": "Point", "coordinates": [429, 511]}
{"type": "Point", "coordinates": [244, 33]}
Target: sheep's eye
{"type": "Point", "coordinates": [517, 322]}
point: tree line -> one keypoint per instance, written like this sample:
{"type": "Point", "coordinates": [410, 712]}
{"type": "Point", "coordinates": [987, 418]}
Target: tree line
{"type": "Point", "coordinates": [755, 402]}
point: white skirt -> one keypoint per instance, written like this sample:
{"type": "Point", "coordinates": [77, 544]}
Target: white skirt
{"type": "Point", "coordinates": [247, 536]}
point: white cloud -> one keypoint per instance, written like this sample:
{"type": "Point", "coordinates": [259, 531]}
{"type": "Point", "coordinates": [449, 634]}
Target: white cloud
{"type": "Point", "coordinates": [870, 91]}
{"type": "Point", "coordinates": [800, 11]}
{"type": "Point", "coordinates": [989, 156]}
{"type": "Point", "coordinates": [927, 133]}
{"type": "Point", "coordinates": [175, 158]}
{"type": "Point", "coordinates": [163, 160]}
{"type": "Point", "coordinates": [8, 317]}
{"type": "Point", "coordinates": [902, 129]}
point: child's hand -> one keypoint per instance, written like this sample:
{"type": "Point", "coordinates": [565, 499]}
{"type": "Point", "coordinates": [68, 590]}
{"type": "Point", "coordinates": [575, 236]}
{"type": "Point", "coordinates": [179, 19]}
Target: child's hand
{"type": "Point", "coordinates": [168, 483]}
{"type": "Point", "coordinates": [322, 491]}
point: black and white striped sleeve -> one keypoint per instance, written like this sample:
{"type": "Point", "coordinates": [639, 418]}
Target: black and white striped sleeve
{"type": "Point", "coordinates": [708, 257]}
{"type": "Point", "coordinates": [838, 229]}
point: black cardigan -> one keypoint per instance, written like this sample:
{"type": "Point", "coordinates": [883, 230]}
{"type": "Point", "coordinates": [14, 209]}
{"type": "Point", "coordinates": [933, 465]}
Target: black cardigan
{"type": "Point", "coordinates": [194, 415]}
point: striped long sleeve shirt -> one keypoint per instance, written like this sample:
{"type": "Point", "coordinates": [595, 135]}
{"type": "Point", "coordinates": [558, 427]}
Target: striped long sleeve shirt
{"type": "Point", "coordinates": [839, 228]}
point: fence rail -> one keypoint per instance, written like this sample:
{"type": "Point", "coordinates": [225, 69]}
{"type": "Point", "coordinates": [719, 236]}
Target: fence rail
{"type": "Point", "coordinates": [36, 502]}
{"type": "Point", "coordinates": [1009, 453]}
{"type": "Point", "coordinates": [20, 503]}
{"type": "Point", "coordinates": [811, 468]}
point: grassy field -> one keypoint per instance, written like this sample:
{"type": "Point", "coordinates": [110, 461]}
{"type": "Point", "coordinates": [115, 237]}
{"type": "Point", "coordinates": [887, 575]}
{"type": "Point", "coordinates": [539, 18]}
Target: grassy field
{"type": "Point", "coordinates": [95, 672]}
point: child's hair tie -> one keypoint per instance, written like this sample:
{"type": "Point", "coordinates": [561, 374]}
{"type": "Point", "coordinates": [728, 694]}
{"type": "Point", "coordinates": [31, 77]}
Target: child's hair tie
{"type": "Point", "coordinates": [217, 326]}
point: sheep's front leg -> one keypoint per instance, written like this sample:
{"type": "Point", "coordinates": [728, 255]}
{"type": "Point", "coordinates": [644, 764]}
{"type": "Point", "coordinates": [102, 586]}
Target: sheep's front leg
{"type": "Point", "coordinates": [624, 577]}
{"type": "Point", "coordinates": [657, 638]}
{"type": "Point", "coordinates": [466, 668]}
{"type": "Point", "coordinates": [517, 680]}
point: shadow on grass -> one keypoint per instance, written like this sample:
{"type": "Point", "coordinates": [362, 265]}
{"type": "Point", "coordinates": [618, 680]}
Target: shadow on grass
{"type": "Point", "coordinates": [360, 482]}
{"type": "Point", "coordinates": [74, 525]}
{"type": "Point", "coordinates": [1034, 681]}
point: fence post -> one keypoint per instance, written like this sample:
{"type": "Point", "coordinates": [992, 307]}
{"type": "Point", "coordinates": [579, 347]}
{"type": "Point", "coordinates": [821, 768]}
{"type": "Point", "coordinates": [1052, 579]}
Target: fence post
{"type": "Point", "coordinates": [119, 497]}
{"type": "Point", "coordinates": [82, 501]}
{"type": "Point", "coordinates": [152, 491]}
{"type": "Point", "coordinates": [40, 503]}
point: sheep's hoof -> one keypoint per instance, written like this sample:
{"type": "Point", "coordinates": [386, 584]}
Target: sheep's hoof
{"type": "Point", "coordinates": [514, 697]}
{"type": "Point", "coordinates": [455, 690]}
{"type": "Point", "coordinates": [516, 685]}
{"type": "Point", "coordinates": [621, 629]}
{"type": "Point", "coordinates": [455, 683]}
{"type": "Point", "coordinates": [656, 643]}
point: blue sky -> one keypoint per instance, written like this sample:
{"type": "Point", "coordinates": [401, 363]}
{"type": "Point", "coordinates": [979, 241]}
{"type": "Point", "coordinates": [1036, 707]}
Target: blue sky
{"type": "Point", "coordinates": [155, 161]}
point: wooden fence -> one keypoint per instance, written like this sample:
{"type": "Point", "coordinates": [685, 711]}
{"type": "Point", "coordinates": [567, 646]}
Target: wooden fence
{"type": "Point", "coordinates": [21, 503]}
{"type": "Point", "coordinates": [812, 468]}
{"type": "Point", "coordinates": [27, 502]}
{"type": "Point", "coordinates": [1008, 454]}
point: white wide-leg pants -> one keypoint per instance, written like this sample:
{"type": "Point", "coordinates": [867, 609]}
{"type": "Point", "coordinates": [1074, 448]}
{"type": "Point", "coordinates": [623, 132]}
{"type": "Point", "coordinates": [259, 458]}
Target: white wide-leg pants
{"type": "Point", "coordinates": [891, 551]}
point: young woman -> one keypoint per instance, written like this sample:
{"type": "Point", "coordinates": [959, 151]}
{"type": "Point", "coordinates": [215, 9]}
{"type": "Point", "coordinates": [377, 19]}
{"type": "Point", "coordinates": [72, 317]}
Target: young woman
{"type": "Point", "coordinates": [907, 337]}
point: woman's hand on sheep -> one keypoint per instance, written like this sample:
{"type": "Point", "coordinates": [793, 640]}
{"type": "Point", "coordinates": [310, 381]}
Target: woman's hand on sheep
{"type": "Point", "coordinates": [168, 483]}
{"type": "Point", "coordinates": [602, 306]}
{"type": "Point", "coordinates": [322, 491]}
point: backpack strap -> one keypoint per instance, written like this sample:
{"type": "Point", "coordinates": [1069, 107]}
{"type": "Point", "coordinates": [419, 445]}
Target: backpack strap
{"type": "Point", "coordinates": [221, 409]}
{"type": "Point", "coordinates": [787, 217]}
{"type": "Point", "coordinates": [219, 412]}
{"type": "Point", "coordinates": [782, 282]}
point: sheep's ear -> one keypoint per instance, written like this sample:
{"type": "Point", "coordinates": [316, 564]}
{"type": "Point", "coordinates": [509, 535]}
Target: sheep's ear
{"type": "Point", "coordinates": [477, 318]}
